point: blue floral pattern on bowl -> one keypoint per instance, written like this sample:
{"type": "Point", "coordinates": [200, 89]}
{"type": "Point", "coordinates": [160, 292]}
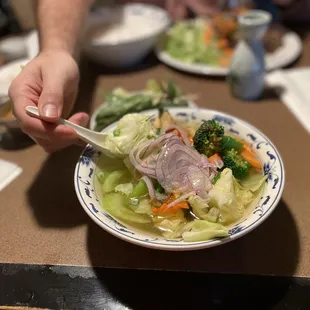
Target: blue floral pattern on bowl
{"type": "Point", "coordinates": [266, 151]}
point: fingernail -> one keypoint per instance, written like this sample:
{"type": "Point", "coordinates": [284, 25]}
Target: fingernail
{"type": "Point", "coordinates": [50, 110]}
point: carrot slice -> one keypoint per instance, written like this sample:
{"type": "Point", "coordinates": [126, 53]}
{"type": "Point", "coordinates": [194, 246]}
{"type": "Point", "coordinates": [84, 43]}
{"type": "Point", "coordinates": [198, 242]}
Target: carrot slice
{"type": "Point", "coordinates": [163, 209]}
{"type": "Point", "coordinates": [222, 43]}
{"type": "Point", "coordinates": [251, 159]}
{"type": "Point", "coordinates": [214, 157]}
{"type": "Point", "coordinates": [249, 155]}
{"type": "Point", "coordinates": [208, 35]}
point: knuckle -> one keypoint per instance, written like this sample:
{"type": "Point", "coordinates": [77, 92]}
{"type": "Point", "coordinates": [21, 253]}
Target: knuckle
{"type": "Point", "coordinates": [26, 128]}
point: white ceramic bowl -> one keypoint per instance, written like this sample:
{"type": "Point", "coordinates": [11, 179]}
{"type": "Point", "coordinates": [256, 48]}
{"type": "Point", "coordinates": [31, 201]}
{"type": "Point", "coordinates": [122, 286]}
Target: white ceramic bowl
{"type": "Point", "coordinates": [84, 178]}
{"type": "Point", "coordinates": [127, 51]}
{"type": "Point", "coordinates": [8, 72]}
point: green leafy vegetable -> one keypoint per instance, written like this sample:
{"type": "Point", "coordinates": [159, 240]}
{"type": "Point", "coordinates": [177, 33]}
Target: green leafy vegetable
{"type": "Point", "coordinates": [133, 129]}
{"type": "Point", "coordinates": [223, 197]}
{"type": "Point", "coordinates": [204, 230]}
{"type": "Point", "coordinates": [143, 206]}
{"type": "Point", "coordinates": [202, 209]}
{"type": "Point", "coordinates": [185, 41]}
{"type": "Point", "coordinates": [139, 190]}
{"type": "Point", "coordinates": [114, 179]}
{"type": "Point", "coordinates": [244, 196]}
{"type": "Point", "coordinates": [101, 176]}
{"type": "Point", "coordinates": [124, 188]}
{"type": "Point", "coordinates": [118, 205]}
{"type": "Point", "coordinates": [119, 102]}
{"type": "Point", "coordinates": [254, 182]}
{"type": "Point", "coordinates": [172, 226]}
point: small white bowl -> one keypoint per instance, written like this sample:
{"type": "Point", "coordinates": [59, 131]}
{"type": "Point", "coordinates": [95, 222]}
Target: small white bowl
{"type": "Point", "coordinates": [124, 52]}
{"type": "Point", "coordinates": [84, 179]}
{"type": "Point", "coordinates": [8, 72]}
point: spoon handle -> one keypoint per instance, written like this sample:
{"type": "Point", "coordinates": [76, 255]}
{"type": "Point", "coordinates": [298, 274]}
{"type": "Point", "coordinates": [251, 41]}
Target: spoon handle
{"type": "Point", "coordinates": [82, 132]}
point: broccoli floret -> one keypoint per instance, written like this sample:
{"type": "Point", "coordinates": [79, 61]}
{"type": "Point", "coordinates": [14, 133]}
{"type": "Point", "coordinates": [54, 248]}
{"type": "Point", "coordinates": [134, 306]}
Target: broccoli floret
{"type": "Point", "coordinates": [207, 139]}
{"type": "Point", "coordinates": [240, 167]}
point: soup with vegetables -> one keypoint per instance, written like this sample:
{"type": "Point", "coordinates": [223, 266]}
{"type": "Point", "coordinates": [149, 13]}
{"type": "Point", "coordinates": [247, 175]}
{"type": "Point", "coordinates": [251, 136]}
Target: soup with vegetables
{"type": "Point", "coordinates": [184, 181]}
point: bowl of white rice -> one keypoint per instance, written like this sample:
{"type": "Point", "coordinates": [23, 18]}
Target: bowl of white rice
{"type": "Point", "coordinates": [122, 36]}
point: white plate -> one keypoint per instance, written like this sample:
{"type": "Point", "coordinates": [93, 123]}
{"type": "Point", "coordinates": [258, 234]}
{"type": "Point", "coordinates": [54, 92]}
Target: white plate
{"type": "Point", "coordinates": [87, 193]}
{"type": "Point", "coordinates": [289, 51]}
{"type": "Point", "coordinates": [92, 124]}
{"type": "Point", "coordinates": [8, 73]}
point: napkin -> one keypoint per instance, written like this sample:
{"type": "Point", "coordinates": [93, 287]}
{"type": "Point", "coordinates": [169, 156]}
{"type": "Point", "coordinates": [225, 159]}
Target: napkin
{"type": "Point", "coordinates": [8, 172]}
{"type": "Point", "coordinates": [294, 85]}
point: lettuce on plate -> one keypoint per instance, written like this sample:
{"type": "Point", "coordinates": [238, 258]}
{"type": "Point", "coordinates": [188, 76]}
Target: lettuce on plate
{"type": "Point", "coordinates": [230, 202]}
{"type": "Point", "coordinates": [185, 41]}
{"type": "Point", "coordinates": [131, 130]}
{"type": "Point", "coordinates": [125, 189]}
{"type": "Point", "coordinates": [204, 230]}
{"type": "Point", "coordinates": [202, 209]}
{"type": "Point", "coordinates": [141, 206]}
{"type": "Point", "coordinates": [254, 182]}
{"type": "Point", "coordinates": [172, 226]}
{"type": "Point", "coordinates": [117, 205]}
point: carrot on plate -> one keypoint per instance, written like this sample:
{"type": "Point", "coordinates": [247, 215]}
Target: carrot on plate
{"type": "Point", "coordinates": [164, 209]}
{"type": "Point", "coordinates": [251, 158]}
{"type": "Point", "coordinates": [222, 43]}
{"type": "Point", "coordinates": [249, 155]}
{"type": "Point", "coordinates": [208, 35]}
{"type": "Point", "coordinates": [214, 157]}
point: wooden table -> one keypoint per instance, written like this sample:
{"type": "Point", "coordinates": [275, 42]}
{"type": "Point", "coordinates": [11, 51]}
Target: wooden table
{"type": "Point", "coordinates": [42, 222]}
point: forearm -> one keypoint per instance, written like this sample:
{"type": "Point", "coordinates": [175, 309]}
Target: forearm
{"type": "Point", "coordinates": [60, 22]}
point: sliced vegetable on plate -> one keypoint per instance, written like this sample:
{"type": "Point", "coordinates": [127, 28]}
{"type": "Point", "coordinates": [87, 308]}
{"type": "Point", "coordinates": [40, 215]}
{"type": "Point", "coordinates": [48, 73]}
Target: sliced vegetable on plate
{"type": "Point", "coordinates": [120, 102]}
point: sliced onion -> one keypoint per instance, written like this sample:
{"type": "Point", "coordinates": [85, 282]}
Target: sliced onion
{"type": "Point", "coordinates": [176, 166]}
{"type": "Point", "coordinates": [149, 186]}
{"type": "Point", "coordinates": [181, 131]}
{"type": "Point", "coordinates": [181, 198]}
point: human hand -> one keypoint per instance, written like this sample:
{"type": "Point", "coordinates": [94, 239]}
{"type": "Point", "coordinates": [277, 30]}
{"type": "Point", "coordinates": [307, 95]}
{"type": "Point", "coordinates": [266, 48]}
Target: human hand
{"type": "Point", "coordinates": [283, 2]}
{"type": "Point", "coordinates": [49, 81]}
{"type": "Point", "coordinates": [178, 8]}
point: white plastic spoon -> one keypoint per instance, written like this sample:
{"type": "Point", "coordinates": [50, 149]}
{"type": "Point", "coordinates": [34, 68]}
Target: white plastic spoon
{"type": "Point", "coordinates": [92, 137]}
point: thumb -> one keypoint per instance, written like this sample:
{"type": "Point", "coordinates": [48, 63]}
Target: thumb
{"type": "Point", "coordinates": [51, 100]}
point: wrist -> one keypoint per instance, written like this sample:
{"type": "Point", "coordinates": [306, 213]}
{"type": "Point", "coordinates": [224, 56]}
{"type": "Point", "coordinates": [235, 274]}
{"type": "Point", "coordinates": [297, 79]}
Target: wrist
{"type": "Point", "coordinates": [57, 54]}
{"type": "Point", "coordinates": [57, 47]}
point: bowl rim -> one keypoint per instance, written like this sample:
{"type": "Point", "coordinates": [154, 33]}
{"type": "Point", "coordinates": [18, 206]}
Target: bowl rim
{"type": "Point", "coordinates": [165, 25]}
{"type": "Point", "coordinates": [200, 244]}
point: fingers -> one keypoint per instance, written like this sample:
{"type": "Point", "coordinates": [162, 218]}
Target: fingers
{"type": "Point", "coordinates": [49, 81]}
{"type": "Point", "coordinates": [64, 136]}
{"type": "Point", "coordinates": [201, 7]}
{"type": "Point", "coordinates": [176, 8]}
{"type": "Point", "coordinates": [80, 118]}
